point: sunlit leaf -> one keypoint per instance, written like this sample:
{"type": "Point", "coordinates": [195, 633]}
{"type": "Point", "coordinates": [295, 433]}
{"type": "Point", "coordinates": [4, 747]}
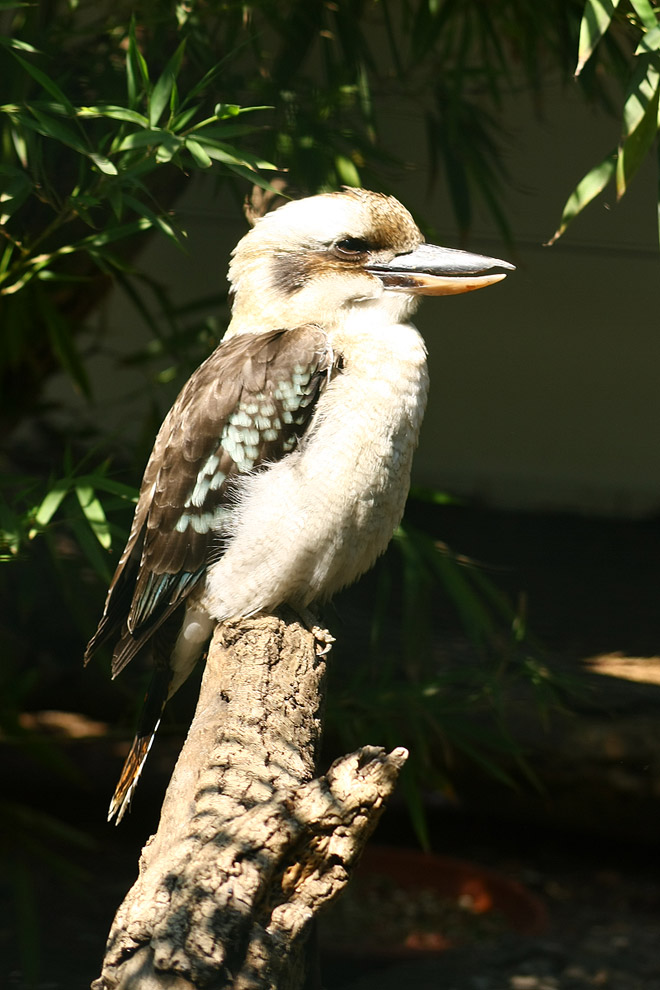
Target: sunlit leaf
{"type": "Point", "coordinates": [346, 171]}
{"type": "Point", "coordinates": [114, 113]}
{"type": "Point", "coordinates": [198, 153]}
{"type": "Point", "coordinates": [14, 195]}
{"type": "Point", "coordinates": [640, 123]}
{"type": "Point", "coordinates": [21, 46]}
{"type": "Point", "coordinates": [650, 42]}
{"type": "Point", "coordinates": [50, 504]}
{"type": "Point", "coordinates": [586, 190]}
{"type": "Point", "coordinates": [103, 164]}
{"type": "Point", "coordinates": [94, 514]}
{"type": "Point", "coordinates": [642, 91]}
{"type": "Point", "coordinates": [596, 19]}
{"type": "Point", "coordinates": [646, 13]}
{"type": "Point", "coordinates": [223, 110]}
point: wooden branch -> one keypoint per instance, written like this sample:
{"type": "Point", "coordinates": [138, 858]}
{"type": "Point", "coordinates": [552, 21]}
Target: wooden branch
{"type": "Point", "coordinates": [249, 845]}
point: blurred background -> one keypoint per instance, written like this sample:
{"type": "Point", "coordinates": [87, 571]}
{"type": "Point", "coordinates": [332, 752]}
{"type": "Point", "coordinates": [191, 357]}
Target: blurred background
{"type": "Point", "coordinates": [510, 636]}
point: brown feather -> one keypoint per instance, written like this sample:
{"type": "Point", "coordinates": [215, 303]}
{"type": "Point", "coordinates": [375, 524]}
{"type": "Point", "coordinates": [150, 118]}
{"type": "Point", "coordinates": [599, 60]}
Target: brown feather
{"type": "Point", "coordinates": [241, 371]}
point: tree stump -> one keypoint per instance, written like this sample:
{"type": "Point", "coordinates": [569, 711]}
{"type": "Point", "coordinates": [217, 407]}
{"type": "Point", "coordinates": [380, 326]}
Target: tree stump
{"type": "Point", "coordinates": [250, 845]}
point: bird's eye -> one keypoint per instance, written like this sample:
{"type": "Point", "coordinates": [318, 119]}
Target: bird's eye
{"type": "Point", "coordinates": [350, 247]}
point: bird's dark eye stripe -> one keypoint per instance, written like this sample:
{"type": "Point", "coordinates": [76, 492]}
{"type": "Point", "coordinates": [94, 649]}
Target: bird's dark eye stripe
{"type": "Point", "coordinates": [353, 245]}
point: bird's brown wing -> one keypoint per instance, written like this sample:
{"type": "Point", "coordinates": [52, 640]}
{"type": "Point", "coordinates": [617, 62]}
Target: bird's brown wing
{"type": "Point", "coordinates": [248, 404]}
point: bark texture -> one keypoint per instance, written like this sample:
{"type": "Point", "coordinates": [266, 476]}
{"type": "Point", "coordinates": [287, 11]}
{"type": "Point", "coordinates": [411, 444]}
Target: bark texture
{"type": "Point", "coordinates": [249, 844]}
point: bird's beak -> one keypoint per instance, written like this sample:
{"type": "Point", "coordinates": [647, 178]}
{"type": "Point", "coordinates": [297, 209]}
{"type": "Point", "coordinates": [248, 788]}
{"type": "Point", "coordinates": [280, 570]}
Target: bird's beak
{"type": "Point", "coordinates": [430, 270]}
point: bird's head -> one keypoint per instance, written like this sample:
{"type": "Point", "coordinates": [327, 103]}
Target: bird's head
{"type": "Point", "coordinates": [315, 259]}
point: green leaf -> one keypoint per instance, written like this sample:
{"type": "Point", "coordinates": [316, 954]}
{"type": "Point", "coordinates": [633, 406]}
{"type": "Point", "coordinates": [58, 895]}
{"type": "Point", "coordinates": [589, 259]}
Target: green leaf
{"type": "Point", "coordinates": [14, 195]}
{"type": "Point", "coordinates": [21, 46]}
{"type": "Point", "coordinates": [164, 87]}
{"type": "Point", "coordinates": [136, 68]}
{"type": "Point", "coordinates": [200, 157]}
{"type": "Point", "coordinates": [108, 236]}
{"type": "Point", "coordinates": [642, 90]}
{"type": "Point", "coordinates": [52, 128]}
{"type": "Point", "coordinates": [646, 13]}
{"type": "Point", "coordinates": [114, 113]}
{"type": "Point", "coordinates": [154, 219]}
{"type": "Point", "coordinates": [45, 81]}
{"type": "Point", "coordinates": [222, 152]}
{"type": "Point", "coordinates": [90, 547]}
{"type": "Point", "coordinates": [644, 115]}
{"type": "Point", "coordinates": [181, 120]}
{"type": "Point", "coordinates": [153, 137]}
{"type": "Point", "coordinates": [346, 171]}
{"type": "Point", "coordinates": [224, 110]}
{"type": "Point", "coordinates": [50, 504]}
{"type": "Point", "coordinates": [94, 514]}
{"type": "Point", "coordinates": [596, 19]}
{"type": "Point", "coordinates": [650, 42]}
{"type": "Point", "coordinates": [99, 481]}
{"type": "Point", "coordinates": [587, 189]}
{"type": "Point", "coordinates": [103, 164]}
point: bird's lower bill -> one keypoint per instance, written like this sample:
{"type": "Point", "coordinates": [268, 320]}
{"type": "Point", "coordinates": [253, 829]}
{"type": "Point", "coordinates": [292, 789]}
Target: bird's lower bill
{"type": "Point", "coordinates": [423, 284]}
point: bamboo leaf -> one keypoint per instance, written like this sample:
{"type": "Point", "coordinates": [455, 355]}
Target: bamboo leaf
{"type": "Point", "coordinates": [642, 90]}
{"type": "Point", "coordinates": [650, 42]}
{"type": "Point", "coordinates": [50, 504]}
{"type": "Point", "coordinates": [586, 190]}
{"type": "Point", "coordinates": [136, 59]}
{"type": "Point", "coordinates": [346, 171]}
{"type": "Point", "coordinates": [152, 137]}
{"type": "Point", "coordinates": [56, 129]}
{"type": "Point", "coordinates": [103, 164]}
{"type": "Point", "coordinates": [596, 20]}
{"type": "Point", "coordinates": [634, 150]}
{"type": "Point", "coordinates": [94, 514]}
{"type": "Point", "coordinates": [640, 124]}
{"type": "Point", "coordinates": [164, 86]}
{"type": "Point", "coordinates": [21, 46]}
{"type": "Point", "coordinates": [200, 157]}
{"type": "Point", "coordinates": [90, 546]}
{"type": "Point", "coordinates": [154, 219]}
{"type": "Point", "coordinates": [646, 13]}
{"type": "Point", "coordinates": [45, 81]}
{"type": "Point", "coordinates": [222, 152]}
{"type": "Point", "coordinates": [114, 113]}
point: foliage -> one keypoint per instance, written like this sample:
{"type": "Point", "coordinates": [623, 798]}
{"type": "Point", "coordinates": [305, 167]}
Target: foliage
{"type": "Point", "coordinates": [637, 24]}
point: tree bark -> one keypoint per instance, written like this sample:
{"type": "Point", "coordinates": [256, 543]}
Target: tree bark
{"type": "Point", "coordinates": [249, 845]}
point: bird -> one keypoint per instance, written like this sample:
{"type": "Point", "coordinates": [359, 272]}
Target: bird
{"type": "Point", "coordinates": [282, 469]}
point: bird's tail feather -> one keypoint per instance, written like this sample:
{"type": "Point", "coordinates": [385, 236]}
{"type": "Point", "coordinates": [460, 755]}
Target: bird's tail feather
{"type": "Point", "coordinates": [152, 710]}
{"type": "Point", "coordinates": [130, 775]}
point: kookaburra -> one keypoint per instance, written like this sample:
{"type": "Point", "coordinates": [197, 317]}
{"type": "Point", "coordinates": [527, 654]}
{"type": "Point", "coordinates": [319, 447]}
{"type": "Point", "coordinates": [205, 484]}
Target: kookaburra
{"type": "Point", "coordinates": [282, 469]}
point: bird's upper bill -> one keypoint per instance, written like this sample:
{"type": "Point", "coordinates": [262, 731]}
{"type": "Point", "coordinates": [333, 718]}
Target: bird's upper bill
{"type": "Point", "coordinates": [316, 259]}
{"type": "Point", "coordinates": [431, 270]}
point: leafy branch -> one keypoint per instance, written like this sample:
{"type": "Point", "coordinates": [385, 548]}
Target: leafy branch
{"type": "Point", "coordinates": [639, 21]}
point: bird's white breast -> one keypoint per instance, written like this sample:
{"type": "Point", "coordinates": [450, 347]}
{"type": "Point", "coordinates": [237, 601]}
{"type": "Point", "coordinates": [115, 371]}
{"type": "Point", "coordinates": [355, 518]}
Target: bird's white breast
{"type": "Point", "coordinates": [310, 524]}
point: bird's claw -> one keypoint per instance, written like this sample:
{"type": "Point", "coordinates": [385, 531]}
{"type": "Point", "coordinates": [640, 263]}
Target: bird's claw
{"type": "Point", "coordinates": [323, 640]}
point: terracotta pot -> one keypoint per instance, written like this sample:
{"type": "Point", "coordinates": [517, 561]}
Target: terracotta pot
{"type": "Point", "coordinates": [473, 903]}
